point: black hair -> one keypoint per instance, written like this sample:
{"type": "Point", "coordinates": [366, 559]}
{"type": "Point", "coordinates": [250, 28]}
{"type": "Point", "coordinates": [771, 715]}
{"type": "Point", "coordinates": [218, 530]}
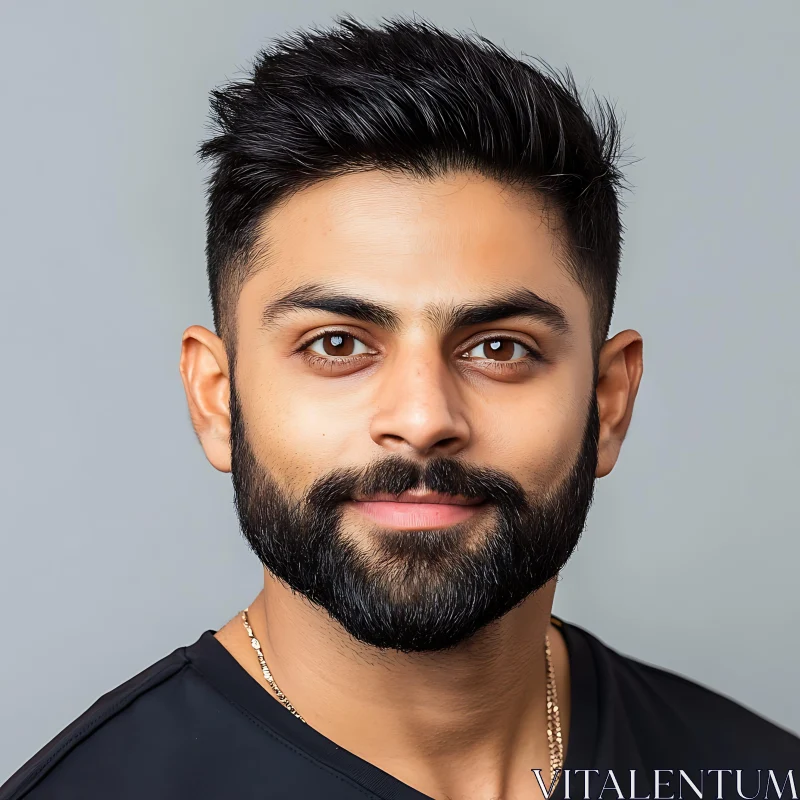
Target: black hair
{"type": "Point", "coordinates": [405, 95]}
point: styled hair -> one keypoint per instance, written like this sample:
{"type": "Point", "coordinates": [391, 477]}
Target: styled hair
{"type": "Point", "coordinates": [407, 96]}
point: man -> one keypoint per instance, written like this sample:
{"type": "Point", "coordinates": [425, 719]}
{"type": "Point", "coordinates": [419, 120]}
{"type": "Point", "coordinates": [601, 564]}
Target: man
{"type": "Point", "coordinates": [413, 248]}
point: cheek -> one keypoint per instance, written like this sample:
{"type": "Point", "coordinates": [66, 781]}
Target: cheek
{"type": "Point", "coordinates": [536, 438]}
{"type": "Point", "coordinates": [294, 434]}
{"type": "Point", "coordinates": [553, 445]}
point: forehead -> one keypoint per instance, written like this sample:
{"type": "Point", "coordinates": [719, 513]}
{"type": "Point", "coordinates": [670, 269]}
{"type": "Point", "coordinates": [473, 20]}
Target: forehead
{"type": "Point", "coordinates": [413, 242]}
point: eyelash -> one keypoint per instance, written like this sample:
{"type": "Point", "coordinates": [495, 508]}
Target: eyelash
{"type": "Point", "coordinates": [533, 357]}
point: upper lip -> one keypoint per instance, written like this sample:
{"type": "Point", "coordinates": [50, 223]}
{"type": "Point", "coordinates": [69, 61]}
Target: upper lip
{"type": "Point", "coordinates": [415, 496]}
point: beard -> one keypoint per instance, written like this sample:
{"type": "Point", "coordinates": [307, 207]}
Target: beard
{"type": "Point", "coordinates": [413, 590]}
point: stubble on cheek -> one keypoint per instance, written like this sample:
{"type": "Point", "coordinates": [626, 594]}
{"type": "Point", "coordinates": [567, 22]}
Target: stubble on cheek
{"type": "Point", "coordinates": [547, 468]}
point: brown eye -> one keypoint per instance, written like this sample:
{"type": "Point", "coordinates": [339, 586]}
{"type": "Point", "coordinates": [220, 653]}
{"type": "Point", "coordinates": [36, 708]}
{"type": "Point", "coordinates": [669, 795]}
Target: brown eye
{"type": "Point", "coordinates": [338, 343]}
{"type": "Point", "coordinates": [498, 350]}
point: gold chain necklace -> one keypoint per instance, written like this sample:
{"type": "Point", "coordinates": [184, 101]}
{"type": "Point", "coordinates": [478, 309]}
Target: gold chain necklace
{"type": "Point", "coordinates": [553, 716]}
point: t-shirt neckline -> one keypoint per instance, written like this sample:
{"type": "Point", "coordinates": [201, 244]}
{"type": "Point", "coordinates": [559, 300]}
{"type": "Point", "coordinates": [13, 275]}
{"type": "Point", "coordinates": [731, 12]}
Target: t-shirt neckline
{"type": "Point", "coordinates": [216, 664]}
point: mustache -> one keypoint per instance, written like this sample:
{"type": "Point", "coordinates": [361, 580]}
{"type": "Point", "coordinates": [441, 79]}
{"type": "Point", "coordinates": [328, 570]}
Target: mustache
{"type": "Point", "coordinates": [396, 474]}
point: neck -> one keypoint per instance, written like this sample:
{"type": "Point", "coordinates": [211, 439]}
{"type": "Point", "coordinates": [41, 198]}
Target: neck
{"type": "Point", "coordinates": [466, 722]}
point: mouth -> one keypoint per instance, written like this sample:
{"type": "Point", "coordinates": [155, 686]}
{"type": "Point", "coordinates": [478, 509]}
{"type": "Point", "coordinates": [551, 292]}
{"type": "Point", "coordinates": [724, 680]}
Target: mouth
{"type": "Point", "coordinates": [417, 510]}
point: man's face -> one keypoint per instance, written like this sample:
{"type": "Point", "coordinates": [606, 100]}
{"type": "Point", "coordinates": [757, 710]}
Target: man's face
{"type": "Point", "coordinates": [460, 378]}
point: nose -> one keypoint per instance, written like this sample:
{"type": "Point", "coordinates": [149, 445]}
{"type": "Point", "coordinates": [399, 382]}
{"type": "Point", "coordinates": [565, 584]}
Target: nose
{"type": "Point", "coordinates": [420, 406]}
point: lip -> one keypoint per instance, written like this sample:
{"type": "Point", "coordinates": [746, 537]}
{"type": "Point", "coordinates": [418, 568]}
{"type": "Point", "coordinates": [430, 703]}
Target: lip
{"type": "Point", "coordinates": [413, 496]}
{"type": "Point", "coordinates": [417, 510]}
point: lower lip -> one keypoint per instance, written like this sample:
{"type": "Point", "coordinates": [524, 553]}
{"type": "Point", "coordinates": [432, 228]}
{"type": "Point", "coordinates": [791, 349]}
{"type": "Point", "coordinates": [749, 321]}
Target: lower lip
{"type": "Point", "coordinates": [416, 516]}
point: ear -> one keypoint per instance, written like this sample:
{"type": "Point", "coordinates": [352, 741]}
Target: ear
{"type": "Point", "coordinates": [619, 374]}
{"type": "Point", "coordinates": [204, 371]}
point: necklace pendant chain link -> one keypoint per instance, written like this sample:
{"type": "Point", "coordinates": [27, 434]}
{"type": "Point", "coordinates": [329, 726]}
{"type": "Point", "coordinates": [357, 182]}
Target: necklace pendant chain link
{"type": "Point", "coordinates": [265, 669]}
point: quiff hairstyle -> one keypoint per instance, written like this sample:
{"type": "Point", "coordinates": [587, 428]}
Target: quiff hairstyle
{"type": "Point", "coordinates": [409, 97]}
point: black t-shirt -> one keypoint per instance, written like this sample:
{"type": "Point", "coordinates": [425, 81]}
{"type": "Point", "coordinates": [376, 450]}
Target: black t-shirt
{"type": "Point", "coordinates": [196, 725]}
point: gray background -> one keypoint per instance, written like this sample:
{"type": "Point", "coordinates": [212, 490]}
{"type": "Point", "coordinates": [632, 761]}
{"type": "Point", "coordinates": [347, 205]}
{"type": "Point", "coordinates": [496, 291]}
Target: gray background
{"type": "Point", "coordinates": [119, 540]}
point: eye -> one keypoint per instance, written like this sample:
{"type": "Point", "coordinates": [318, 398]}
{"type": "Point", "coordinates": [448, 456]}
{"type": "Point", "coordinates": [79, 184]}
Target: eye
{"type": "Point", "coordinates": [499, 350]}
{"type": "Point", "coordinates": [338, 343]}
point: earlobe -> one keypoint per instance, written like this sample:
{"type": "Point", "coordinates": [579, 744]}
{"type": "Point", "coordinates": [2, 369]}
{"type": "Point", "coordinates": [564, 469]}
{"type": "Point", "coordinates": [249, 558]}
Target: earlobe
{"type": "Point", "coordinates": [620, 368]}
{"type": "Point", "coordinates": [205, 376]}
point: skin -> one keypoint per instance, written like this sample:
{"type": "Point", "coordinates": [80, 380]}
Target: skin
{"type": "Point", "coordinates": [469, 722]}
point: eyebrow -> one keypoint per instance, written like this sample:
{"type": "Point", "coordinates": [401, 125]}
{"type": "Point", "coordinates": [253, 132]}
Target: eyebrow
{"type": "Point", "coordinates": [446, 318]}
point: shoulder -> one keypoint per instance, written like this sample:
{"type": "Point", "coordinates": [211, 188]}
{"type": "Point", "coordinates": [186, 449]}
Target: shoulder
{"type": "Point", "coordinates": [127, 714]}
{"type": "Point", "coordinates": [669, 715]}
